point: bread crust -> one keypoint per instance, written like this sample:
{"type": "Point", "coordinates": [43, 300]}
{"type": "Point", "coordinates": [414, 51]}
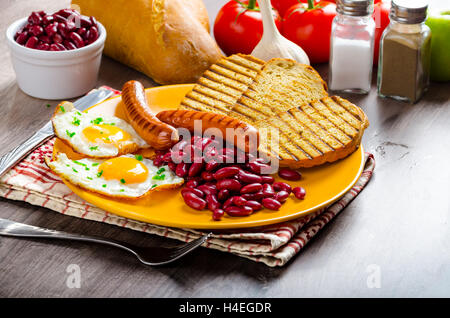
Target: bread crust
{"type": "Point", "coordinates": [168, 40]}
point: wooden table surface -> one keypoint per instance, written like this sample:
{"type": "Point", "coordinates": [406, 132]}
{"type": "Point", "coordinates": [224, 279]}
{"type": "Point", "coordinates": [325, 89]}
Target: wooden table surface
{"type": "Point", "coordinates": [396, 230]}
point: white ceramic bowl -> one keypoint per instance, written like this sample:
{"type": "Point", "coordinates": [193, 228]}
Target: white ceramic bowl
{"type": "Point", "coordinates": [55, 74]}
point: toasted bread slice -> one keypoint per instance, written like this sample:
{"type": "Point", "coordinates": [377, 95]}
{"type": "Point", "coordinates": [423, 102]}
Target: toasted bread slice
{"type": "Point", "coordinates": [314, 133]}
{"type": "Point", "coordinates": [223, 84]}
{"type": "Point", "coordinates": [281, 84]}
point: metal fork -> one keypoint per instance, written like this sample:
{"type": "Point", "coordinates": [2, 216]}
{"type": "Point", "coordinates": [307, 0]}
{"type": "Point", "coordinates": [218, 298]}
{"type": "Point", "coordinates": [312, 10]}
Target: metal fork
{"type": "Point", "coordinates": [147, 255]}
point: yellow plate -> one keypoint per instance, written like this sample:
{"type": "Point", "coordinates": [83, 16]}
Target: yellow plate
{"type": "Point", "coordinates": [324, 184]}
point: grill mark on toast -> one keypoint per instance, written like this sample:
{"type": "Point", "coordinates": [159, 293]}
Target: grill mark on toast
{"type": "Point", "coordinates": [326, 101]}
{"type": "Point", "coordinates": [354, 121]}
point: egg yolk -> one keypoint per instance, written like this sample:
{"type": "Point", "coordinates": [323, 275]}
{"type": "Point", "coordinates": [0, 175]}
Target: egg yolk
{"type": "Point", "coordinates": [107, 134]}
{"type": "Point", "coordinates": [124, 169]}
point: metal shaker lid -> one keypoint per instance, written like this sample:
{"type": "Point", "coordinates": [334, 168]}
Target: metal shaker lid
{"type": "Point", "coordinates": [354, 7]}
{"type": "Point", "coordinates": [408, 11]}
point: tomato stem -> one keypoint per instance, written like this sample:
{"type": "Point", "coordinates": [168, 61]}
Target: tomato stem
{"type": "Point", "coordinates": [310, 4]}
{"type": "Point", "coordinates": [251, 4]}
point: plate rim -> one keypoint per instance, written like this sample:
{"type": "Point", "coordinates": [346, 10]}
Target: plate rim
{"type": "Point", "coordinates": [214, 225]}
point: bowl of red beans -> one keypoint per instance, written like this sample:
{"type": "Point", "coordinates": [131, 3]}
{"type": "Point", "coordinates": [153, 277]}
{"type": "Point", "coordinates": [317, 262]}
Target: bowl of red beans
{"type": "Point", "coordinates": [58, 55]}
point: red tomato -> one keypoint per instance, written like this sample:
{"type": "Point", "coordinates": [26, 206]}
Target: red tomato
{"type": "Point", "coordinates": [283, 5]}
{"type": "Point", "coordinates": [311, 28]}
{"type": "Point", "coordinates": [238, 27]}
{"type": "Point", "coordinates": [381, 17]}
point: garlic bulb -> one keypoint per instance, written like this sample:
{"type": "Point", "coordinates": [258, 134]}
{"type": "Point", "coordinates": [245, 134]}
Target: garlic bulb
{"type": "Point", "coordinates": [272, 43]}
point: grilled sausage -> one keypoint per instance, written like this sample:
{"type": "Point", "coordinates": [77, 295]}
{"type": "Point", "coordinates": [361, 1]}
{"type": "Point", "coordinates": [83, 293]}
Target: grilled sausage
{"type": "Point", "coordinates": [186, 119]}
{"type": "Point", "coordinates": [157, 134]}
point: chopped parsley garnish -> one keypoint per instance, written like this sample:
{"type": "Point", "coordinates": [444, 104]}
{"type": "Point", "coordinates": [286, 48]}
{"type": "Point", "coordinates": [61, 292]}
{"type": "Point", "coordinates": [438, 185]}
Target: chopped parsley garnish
{"type": "Point", "coordinates": [159, 177]}
{"type": "Point", "coordinates": [79, 163]}
{"type": "Point", "coordinates": [95, 164]}
{"type": "Point", "coordinates": [161, 170]}
{"type": "Point", "coordinates": [112, 124]}
{"type": "Point", "coordinates": [104, 185]}
{"type": "Point", "coordinates": [93, 148]}
{"type": "Point", "coordinates": [138, 157]}
{"type": "Point", "coordinates": [62, 109]}
{"type": "Point", "coordinates": [89, 178]}
{"type": "Point", "coordinates": [78, 113]}
{"type": "Point", "coordinates": [75, 170]}
{"type": "Point", "coordinates": [100, 174]}
{"type": "Point", "coordinates": [97, 120]}
{"type": "Point", "coordinates": [122, 180]}
{"type": "Point", "coordinates": [154, 186]}
{"type": "Point", "coordinates": [76, 121]}
{"type": "Point", "coordinates": [70, 134]}
{"type": "Point", "coordinates": [122, 190]}
{"type": "Point", "coordinates": [86, 168]}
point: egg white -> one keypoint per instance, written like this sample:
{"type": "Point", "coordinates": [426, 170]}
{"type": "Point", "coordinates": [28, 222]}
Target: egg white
{"type": "Point", "coordinates": [69, 123]}
{"type": "Point", "coordinates": [85, 173]}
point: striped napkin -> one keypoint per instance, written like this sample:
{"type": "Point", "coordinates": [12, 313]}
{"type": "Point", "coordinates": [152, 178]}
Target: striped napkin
{"type": "Point", "coordinates": [274, 245]}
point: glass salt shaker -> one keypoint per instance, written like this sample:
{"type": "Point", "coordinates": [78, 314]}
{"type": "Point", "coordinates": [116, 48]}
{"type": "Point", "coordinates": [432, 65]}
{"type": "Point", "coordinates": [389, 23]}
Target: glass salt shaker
{"type": "Point", "coordinates": [405, 52]}
{"type": "Point", "coordinates": [351, 47]}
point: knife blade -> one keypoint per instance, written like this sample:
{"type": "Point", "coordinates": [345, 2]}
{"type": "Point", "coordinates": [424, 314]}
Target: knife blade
{"type": "Point", "coordinates": [46, 132]}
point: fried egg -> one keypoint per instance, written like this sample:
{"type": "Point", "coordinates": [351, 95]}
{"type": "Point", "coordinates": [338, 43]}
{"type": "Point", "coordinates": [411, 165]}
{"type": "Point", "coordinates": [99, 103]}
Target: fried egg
{"type": "Point", "coordinates": [127, 176]}
{"type": "Point", "coordinates": [95, 136]}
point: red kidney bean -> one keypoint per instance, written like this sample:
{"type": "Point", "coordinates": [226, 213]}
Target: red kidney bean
{"type": "Point", "coordinates": [67, 12]}
{"type": "Point", "coordinates": [179, 145]}
{"type": "Point", "coordinates": [207, 176]}
{"type": "Point", "coordinates": [207, 189]}
{"type": "Point", "coordinates": [70, 26]}
{"type": "Point", "coordinates": [197, 192]}
{"type": "Point", "coordinates": [22, 37]}
{"type": "Point", "coordinates": [57, 38]}
{"type": "Point", "coordinates": [289, 174]}
{"type": "Point", "coordinates": [218, 214]}
{"type": "Point", "coordinates": [228, 202]}
{"type": "Point", "coordinates": [32, 42]}
{"type": "Point", "coordinates": [253, 196]}
{"type": "Point", "coordinates": [223, 195]}
{"type": "Point", "coordinates": [45, 39]}
{"type": "Point", "coordinates": [51, 29]}
{"type": "Point", "coordinates": [35, 18]}
{"type": "Point", "coordinates": [282, 186]}
{"type": "Point", "coordinates": [195, 169]}
{"type": "Point", "coordinates": [43, 46]}
{"type": "Point", "coordinates": [238, 210]}
{"type": "Point", "coordinates": [281, 196]}
{"type": "Point", "coordinates": [212, 165]}
{"type": "Point", "coordinates": [194, 201]}
{"type": "Point", "coordinates": [299, 192]}
{"type": "Point", "coordinates": [59, 18]}
{"type": "Point", "coordinates": [47, 19]}
{"type": "Point", "coordinates": [255, 205]}
{"type": "Point", "coordinates": [172, 166]}
{"type": "Point", "coordinates": [258, 167]}
{"type": "Point", "coordinates": [267, 179]}
{"type": "Point", "coordinates": [76, 38]}
{"type": "Point", "coordinates": [267, 190]}
{"type": "Point", "coordinates": [157, 161]}
{"type": "Point", "coordinates": [213, 203]}
{"type": "Point", "coordinates": [182, 169]}
{"type": "Point", "coordinates": [247, 177]}
{"type": "Point", "coordinates": [85, 21]}
{"type": "Point", "coordinates": [167, 157]}
{"type": "Point", "coordinates": [93, 21]}
{"type": "Point", "coordinates": [83, 33]}
{"type": "Point", "coordinates": [230, 184]}
{"type": "Point", "coordinates": [57, 47]}
{"type": "Point", "coordinates": [192, 184]}
{"type": "Point", "coordinates": [36, 30]}
{"type": "Point", "coordinates": [271, 204]}
{"type": "Point", "coordinates": [238, 200]}
{"type": "Point", "coordinates": [251, 188]}
{"type": "Point", "coordinates": [226, 172]}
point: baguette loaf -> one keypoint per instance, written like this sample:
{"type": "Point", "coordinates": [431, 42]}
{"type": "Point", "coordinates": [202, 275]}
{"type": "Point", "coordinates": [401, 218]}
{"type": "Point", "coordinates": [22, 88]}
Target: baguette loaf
{"type": "Point", "coordinates": [168, 40]}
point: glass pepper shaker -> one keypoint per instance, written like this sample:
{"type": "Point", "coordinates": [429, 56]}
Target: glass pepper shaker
{"type": "Point", "coordinates": [404, 62]}
{"type": "Point", "coordinates": [351, 47]}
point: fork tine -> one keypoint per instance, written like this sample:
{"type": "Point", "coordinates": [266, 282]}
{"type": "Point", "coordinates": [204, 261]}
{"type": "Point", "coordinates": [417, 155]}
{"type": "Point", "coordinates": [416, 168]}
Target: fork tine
{"type": "Point", "coordinates": [190, 245]}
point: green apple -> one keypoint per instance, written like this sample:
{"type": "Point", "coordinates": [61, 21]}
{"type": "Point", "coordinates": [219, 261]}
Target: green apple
{"type": "Point", "coordinates": [439, 23]}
